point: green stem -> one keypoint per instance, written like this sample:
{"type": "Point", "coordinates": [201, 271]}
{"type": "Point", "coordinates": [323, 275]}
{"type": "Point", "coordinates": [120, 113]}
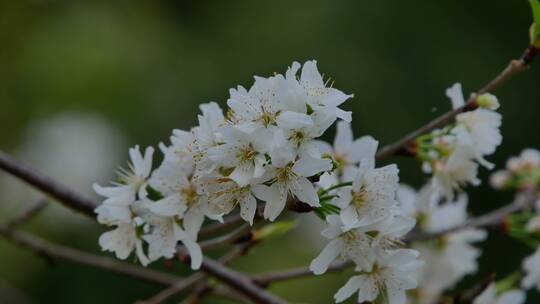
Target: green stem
{"type": "Point", "coordinates": [334, 187]}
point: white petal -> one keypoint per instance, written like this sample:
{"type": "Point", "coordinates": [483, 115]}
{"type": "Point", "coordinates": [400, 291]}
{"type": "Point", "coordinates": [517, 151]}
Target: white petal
{"type": "Point", "coordinates": [121, 241]}
{"type": "Point", "coordinates": [349, 216]}
{"type": "Point", "coordinates": [248, 209]}
{"type": "Point", "coordinates": [308, 166]}
{"type": "Point", "coordinates": [304, 190]}
{"type": "Point", "coordinates": [291, 120]}
{"type": "Point", "coordinates": [363, 148]}
{"type": "Point", "coordinates": [455, 94]}
{"type": "Point", "coordinates": [344, 137]}
{"type": "Point", "coordinates": [330, 252]}
{"type": "Point", "coordinates": [242, 174]}
{"type": "Point", "coordinates": [275, 197]}
{"type": "Point", "coordinates": [168, 206]}
{"type": "Point", "coordinates": [352, 285]}
{"type": "Point", "coordinates": [193, 220]}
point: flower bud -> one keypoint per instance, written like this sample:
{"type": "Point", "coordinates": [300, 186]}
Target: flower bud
{"type": "Point", "coordinates": [488, 101]}
{"type": "Point", "coordinates": [499, 179]}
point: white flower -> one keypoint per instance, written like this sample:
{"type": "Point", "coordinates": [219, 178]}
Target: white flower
{"type": "Point", "coordinates": [354, 244]}
{"type": "Point", "coordinates": [299, 130]}
{"type": "Point", "coordinates": [116, 207]}
{"type": "Point", "coordinates": [346, 151]}
{"type": "Point", "coordinates": [361, 245]}
{"type": "Point", "coordinates": [224, 195]}
{"type": "Point", "coordinates": [371, 197]}
{"type": "Point", "coordinates": [206, 135]}
{"type": "Point", "coordinates": [478, 129]}
{"type": "Point", "coordinates": [531, 266]}
{"type": "Point", "coordinates": [164, 236]}
{"type": "Point", "coordinates": [122, 241]}
{"type": "Point", "coordinates": [260, 107]}
{"type": "Point", "coordinates": [454, 256]}
{"type": "Point", "coordinates": [534, 224]}
{"type": "Point", "coordinates": [390, 278]}
{"type": "Point", "coordinates": [290, 177]}
{"type": "Point", "coordinates": [458, 170]}
{"type": "Point", "coordinates": [181, 197]}
{"type": "Point", "coordinates": [320, 97]}
{"type": "Point", "coordinates": [240, 151]}
{"type": "Point", "coordinates": [490, 296]}
{"type": "Point", "coordinates": [413, 203]}
{"type": "Point", "coordinates": [181, 149]}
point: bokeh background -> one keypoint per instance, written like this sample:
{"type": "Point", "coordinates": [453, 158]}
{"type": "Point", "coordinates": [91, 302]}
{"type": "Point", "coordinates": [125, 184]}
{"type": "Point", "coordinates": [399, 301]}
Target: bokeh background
{"type": "Point", "coordinates": [80, 81]}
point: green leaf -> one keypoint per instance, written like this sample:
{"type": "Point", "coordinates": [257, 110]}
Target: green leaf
{"type": "Point", "coordinates": [274, 229]}
{"type": "Point", "coordinates": [535, 28]}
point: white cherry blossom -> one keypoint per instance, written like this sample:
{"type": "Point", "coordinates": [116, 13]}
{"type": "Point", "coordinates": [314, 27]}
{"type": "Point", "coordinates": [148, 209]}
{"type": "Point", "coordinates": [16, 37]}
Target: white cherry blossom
{"type": "Point", "coordinates": [531, 266]}
{"type": "Point", "coordinates": [390, 278]}
{"type": "Point", "coordinates": [491, 296]}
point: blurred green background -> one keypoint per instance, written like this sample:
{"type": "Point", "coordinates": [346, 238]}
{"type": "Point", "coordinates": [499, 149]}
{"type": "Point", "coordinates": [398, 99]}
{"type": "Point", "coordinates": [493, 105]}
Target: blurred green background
{"type": "Point", "coordinates": [138, 69]}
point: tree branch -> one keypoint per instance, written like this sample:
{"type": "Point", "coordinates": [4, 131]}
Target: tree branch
{"type": "Point", "coordinates": [28, 214]}
{"type": "Point", "coordinates": [237, 280]}
{"type": "Point", "coordinates": [405, 145]}
{"type": "Point", "coordinates": [47, 185]}
{"type": "Point", "coordinates": [219, 227]}
{"type": "Point", "coordinates": [42, 247]}
{"type": "Point", "coordinates": [268, 278]}
{"type": "Point", "coordinates": [86, 206]}
{"type": "Point", "coordinates": [494, 218]}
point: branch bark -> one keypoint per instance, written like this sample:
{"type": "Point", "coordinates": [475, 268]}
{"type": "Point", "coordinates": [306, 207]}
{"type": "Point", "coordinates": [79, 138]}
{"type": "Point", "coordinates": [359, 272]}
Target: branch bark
{"type": "Point", "coordinates": [28, 214]}
{"type": "Point", "coordinates": [405, 145]}
{"type": "Point", "coordinates": [47, 185]}
{"type": "Point", "coordinates": [265, 279]}
{"type": "Point", "coordinates": [494, 218]}
{"type": "Point", "coordinates": [57, 252]}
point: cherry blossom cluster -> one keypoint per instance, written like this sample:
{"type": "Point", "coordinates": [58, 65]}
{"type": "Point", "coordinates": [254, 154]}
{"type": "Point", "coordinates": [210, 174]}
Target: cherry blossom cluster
{"type": "Point", "coordinates": [452, 154]}
{"type": "Point", "coordinates": [523, 172]}
{"type": "Point", "coordinates": [262, 153]}
{"type": "Point", "coordinates": [450, 257]}
{"type": "Point", "coordinates": [368, 225]}
{"type": "Point", "coordinates": [262, 147]}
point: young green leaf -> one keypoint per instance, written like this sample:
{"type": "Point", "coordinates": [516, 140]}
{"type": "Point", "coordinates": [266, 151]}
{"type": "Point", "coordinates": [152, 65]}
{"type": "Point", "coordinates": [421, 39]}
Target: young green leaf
{"type": "Point", "coordinates": [274, 229]}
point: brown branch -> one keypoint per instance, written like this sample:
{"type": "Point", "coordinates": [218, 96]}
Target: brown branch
{"type": "Point", "coordinates": [405, 145]}
{"type": "Point", "coordinates": [28, 214]}
{"type": "Point", "coordinates": [226, 239]}
{"type": "Point", "coordinates": [469, 295]}
{"type": "Point", "coordinates": [266, 279]}
{"type": "Point", "coordinates": [238, 281]}
{"type": "Point", "coordinates": [230, 294]}
{"type": "Point", "coordinates": [47, 185]}
{"type": "Point", "coordinates": [197, 278]}
{"type": "Point", "coordinates": [57, 252]}
{"type": "Point", "coordinates": [77, 202]}
{"type": "Point", "coordinates": [494, 218]}
{"type": "Point", "coordinates": [220, 227]}
{"type": "Point", "coordinates": [175, 289]}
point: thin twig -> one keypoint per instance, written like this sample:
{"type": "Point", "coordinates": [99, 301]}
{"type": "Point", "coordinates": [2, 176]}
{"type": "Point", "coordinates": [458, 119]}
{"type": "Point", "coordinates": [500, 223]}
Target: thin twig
{"type": "Point", "coordinates": [53, 251]}
{"type": "Point", "coordinates": [220, 227]}
{"type": "Point", "coordinates": [28, 214]}
{"type": "Point", "coordinates": [175, 289]}
{"type": "Point", "coordinates": [266, 279]}
{"type": "Point", "coordinates": [230, 294]}
{"type": "Point", "coordinates": [405, 145]}
{"type": "Point", "coordinates": [196, 278]}
{"type": "Point", "coordinates": [491, 219]}
{"type": "Point", "coordinates": [47, 185]}
{"type": "Point", "coordinates": [226, 239]}
{"type": "Point", "coordinates": [238, 281]}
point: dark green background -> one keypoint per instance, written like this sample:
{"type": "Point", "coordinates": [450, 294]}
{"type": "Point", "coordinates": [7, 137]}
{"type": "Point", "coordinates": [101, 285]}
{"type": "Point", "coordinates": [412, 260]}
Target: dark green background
{"type": "Point", "coordinates": [146, 65]}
